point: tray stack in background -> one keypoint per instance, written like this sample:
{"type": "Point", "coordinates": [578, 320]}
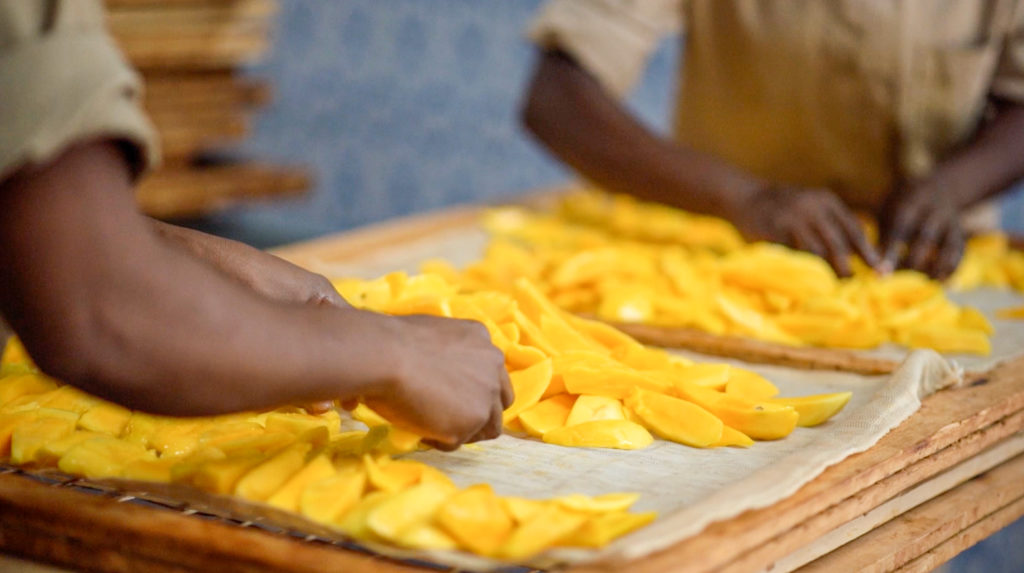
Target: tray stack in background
{"type": "Point", "coordinates": [190, 54]}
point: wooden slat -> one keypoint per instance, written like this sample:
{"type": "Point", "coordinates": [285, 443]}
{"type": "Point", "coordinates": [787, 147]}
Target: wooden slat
{"type": "Point", "coordinates": [757, 351]}
{"type": "Point", "coordinates": [203, 52]}
{"type": "Point", "coordinates": [85, 531]}
{"type": "Point", "coordinates": [187, 193]}
{"type": "Point", "coordinates": [925, 528]}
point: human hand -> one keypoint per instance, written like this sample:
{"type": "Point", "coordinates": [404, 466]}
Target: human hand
{"type": "Point", "coordinates": [449, 383]}
{"type": "Point", "coordinates": [812, 220]}
{"type": "Point", "coordinates": [921, 230]}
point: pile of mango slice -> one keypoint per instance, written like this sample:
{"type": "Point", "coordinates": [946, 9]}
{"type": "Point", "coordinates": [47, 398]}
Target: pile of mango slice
{"type": "Point", "coordinates": [294, 461]}
{"type": "Point", "coordinates": [582, 383]}
{"type": "Point", "coordinates": [631, 262]}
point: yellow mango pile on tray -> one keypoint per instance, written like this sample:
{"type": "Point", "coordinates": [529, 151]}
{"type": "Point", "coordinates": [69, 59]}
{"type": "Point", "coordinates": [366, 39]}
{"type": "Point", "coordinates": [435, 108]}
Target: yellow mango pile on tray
{"type": "Point", "coordinates": [762, 291]}
{"type": "Point", "coordinates": [582, 383]}
{"type": "Point", "coordinates": [294, 461]}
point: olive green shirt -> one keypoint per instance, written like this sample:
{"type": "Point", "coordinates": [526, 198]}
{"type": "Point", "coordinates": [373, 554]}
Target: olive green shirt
{"type": "Point", "coordinates": [62, 80]}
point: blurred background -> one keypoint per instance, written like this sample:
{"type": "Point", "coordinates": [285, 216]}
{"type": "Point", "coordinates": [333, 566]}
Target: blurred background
{"type": "Point", "coordinates": [360, 111]}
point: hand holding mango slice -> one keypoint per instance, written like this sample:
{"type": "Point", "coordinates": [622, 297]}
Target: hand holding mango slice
{"type": "Point", "coordinates": [295, 461]}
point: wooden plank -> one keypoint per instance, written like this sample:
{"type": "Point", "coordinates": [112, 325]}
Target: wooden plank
{"type": "Point", "coordinates": [966, 538]}
{"type": "Point", "coordinates": [67, 527]}
{"type": "Point", "coordinates": [188, 141]}
{"type": "Point", "coordinates": [204, 51]}
{"type": "Point", "coordinates": [756, 351]}
{"type": "Point", "coordinates": [864, 522]}
{"type": "Point", "coordinates": [922, 529]}
{"type": "Point", "coordinates": [186, 193]}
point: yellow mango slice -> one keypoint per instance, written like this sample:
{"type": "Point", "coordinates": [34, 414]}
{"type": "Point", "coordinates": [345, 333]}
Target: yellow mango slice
{"type": "Point", "coordinates": [522, 509]}
{"type": "Point", "coordinates": [149, 469]}
{"type": "Point", "coordinates": [529, 386]}
{"type": "Point", "coordinates": [353, 520]}
{"type": "Point", "coordinates": [733, 437]}
{"type": "Point", "coordinates": [26, 384]}
{"type": "Point", "coordinates": [105, 418]}
{"type": "Point", "coordinates": [405, 509]}
{"type": "Point", "coordinates": [257, 444]}
{"type": "Point", "coordinates": [1011, 313]}
{"type": "Point", "coordinates": [297, 423]}
{"type": "Point", "coordinates": [600, 530]}
{"type": "Point", "coordinates": [287, 496]}
{"type": "Point", "coordinates": [603, 503]}
{"type": "Point", "coordinates": [711, 376]}
{"type": "Point", "coordinates": [566, 338]}
{"type": "Point", "coordinates": [217, 475]}
{"type": "Point", "coordinates": [328, 499]}
{"type": "Point", "coordinates": [542, 531]}
{"type": "Point", "coordinates": [68, 398]}
{"type": "Point", "coordinates": [390, 440]}
{"type": "Point", "coordinates": [590, 408]}
{"type": "Point", "coordinates": [29, 437]}
{"type": "Point", "coordinates": [675, 419]}
{"type": "Point", "coordinates": [814, 410]}
{"type": "Point", "coordinates": [947, 339]}
{"type": "Point", "coordinates": [426, 536]}
{"type": "Point", "coordinates": [476, 518]}
{"type": "Point", "coordinates": [749, 385]}
{"type": "Point", "coordinates": [51, 451]}
{"type": "Point", "coordinates": [619, 434]}
{"type": "Point", "coordinates": [100, 457]}
{"type": "Point", "coordinates": [547, 415]}
{"type": "Point", "coordinates": [8, 423]}
{"type": "Point", "coordinates": [263, 480]}
{"type": "Point", "coordinates": [611, 382]}
{"type": "Point", "coordinates": [605, 335]}
{"type": "Point", "coordinates": [15, 353]}
{"type": "Point", "coordinates": [521, 357]}
{"type": "Point", "coordinates": [366, 415]}
{"type": "Point", "coordinates": [392, 475]}
{"type": "Point", "coordinates": [760, 420]}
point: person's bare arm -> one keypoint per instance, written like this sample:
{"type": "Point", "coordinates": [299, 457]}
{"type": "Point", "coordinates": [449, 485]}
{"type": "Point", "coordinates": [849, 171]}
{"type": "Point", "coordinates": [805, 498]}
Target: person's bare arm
{"type": "Point", "coordinates": [571, 114]}
{"type": "Point", "coordinates": [270, 276]}
{"type": "Point", "coordinates": [104, 302]}
{"type": "Point", "coordinates": [920, 222]}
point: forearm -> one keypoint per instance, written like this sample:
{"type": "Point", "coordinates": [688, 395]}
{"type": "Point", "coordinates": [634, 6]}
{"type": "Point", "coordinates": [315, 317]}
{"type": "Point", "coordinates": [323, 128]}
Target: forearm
{"type": "Point", "coordinates": [102, 302]}
{"type": "Point", "coordinates": [570, 113]}
{"type": "Point", "coordinates": [989, 164]}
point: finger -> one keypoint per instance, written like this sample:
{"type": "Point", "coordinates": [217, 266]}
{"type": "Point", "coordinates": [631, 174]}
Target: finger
{"type": "Point", "coordinates": [895, 236]}
{"type": "Point", "coordinates": [443, 446]}
{"type": "Point", "coordinates": [492, 429]}
{"type": "Point", "coordinates": [804, 239]}
{"type": "Point", "coordinates": [856, 238]}
{"type": "Point", "coordinates": [926, 242]}
{"type": "Point", "coordinates": [508, 394]}
{"type": "Point", "coordinates": [950, 253]}
{"type": "Point", "coordinates": [835, 243]}
{"type": "Point", "coordinates": [320, 407]}
{"type": "Point", "coordinates": [350, 404]}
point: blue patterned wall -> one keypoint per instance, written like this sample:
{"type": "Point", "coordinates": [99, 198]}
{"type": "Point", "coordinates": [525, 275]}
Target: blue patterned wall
{"type": "Point", "coordinates": [401, 106]}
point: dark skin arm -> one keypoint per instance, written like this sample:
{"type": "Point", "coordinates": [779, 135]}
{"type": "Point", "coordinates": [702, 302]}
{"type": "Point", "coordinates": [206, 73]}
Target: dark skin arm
{"type": "Point", "coordinates": [920, 222]}
{"type": "Point", "coordinates": [571, 114]}
{"type": "Point", "coordinates": [104, 301]}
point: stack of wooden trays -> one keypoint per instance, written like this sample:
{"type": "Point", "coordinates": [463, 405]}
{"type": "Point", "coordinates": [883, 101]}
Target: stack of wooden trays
{"type": "Point", "coordinates": [190, 54]}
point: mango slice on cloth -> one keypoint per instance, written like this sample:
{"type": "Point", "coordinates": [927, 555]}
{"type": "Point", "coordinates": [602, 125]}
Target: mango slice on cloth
{"type": "Point", "coordinates": [105, 418]}
{"type": "Point", "coordinates": [425, 536]}
{"type": "Point", "coordinates": [330, 498]}
{"type": "Point", "coordinates": [28, 438]}
{"type": "Point", "coordinates": [24, 384]}
{"type": "Point", "coordinates": [263, 480]}
{"type": "Point", "coordinates": [405, 509]}
{"type": "Point", "coordinates": [590, 408]}
{"type": "Point", "coordinates": [547, 415]}
{"type": "Point", "coordinates": [287, 496]}
{"type": "Point", "coordinates": [675, 419]}
{"type": "Point", "coordinates": [747, 384]}
{"type": "Point", "coordinates": [760, 420]}
{"type": "Point", "coordinates": [529, 385]}
{"type": "Point", "coordinates": [476, 518]}
{"type": "Point", "coordinates": [609, 502]}
{"type": "Point", "coordinates": [732, 437]}
{"type": "Point", "coordinates": [543, 530]}
{"type": "Point", "coordinates": [618, 434]}
{"type": "Point", "coordinates": [99, 457]}
{"type": "Point", "coordinates": [814, 410]}
{"type": "Point", "coordinates": [601, 530]}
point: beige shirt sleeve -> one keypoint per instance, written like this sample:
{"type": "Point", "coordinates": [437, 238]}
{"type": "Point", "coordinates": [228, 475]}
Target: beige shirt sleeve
{"type": "Point", "coordinates": [611, 39]}
{"type": "Point", "coordinates": [1009, 79]}
{"type": "Point", "coordinates": [62, 80]}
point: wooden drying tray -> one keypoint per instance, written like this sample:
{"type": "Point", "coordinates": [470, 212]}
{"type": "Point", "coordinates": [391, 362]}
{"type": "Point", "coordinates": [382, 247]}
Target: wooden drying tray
{"type": "Point", "coordinates": [908, 503]}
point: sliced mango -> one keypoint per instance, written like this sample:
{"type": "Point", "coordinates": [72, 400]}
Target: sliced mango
{"type": "Point", "coordinates": [547, 415]}
{"type": "Point", "coordinates": [814, 410]}
{"type": "Point", "coordinates": [476, 518]}
{"type": "Point", "coordinates": [618, 434]}
{"type": "Point", "coordinates": [675, 419]}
